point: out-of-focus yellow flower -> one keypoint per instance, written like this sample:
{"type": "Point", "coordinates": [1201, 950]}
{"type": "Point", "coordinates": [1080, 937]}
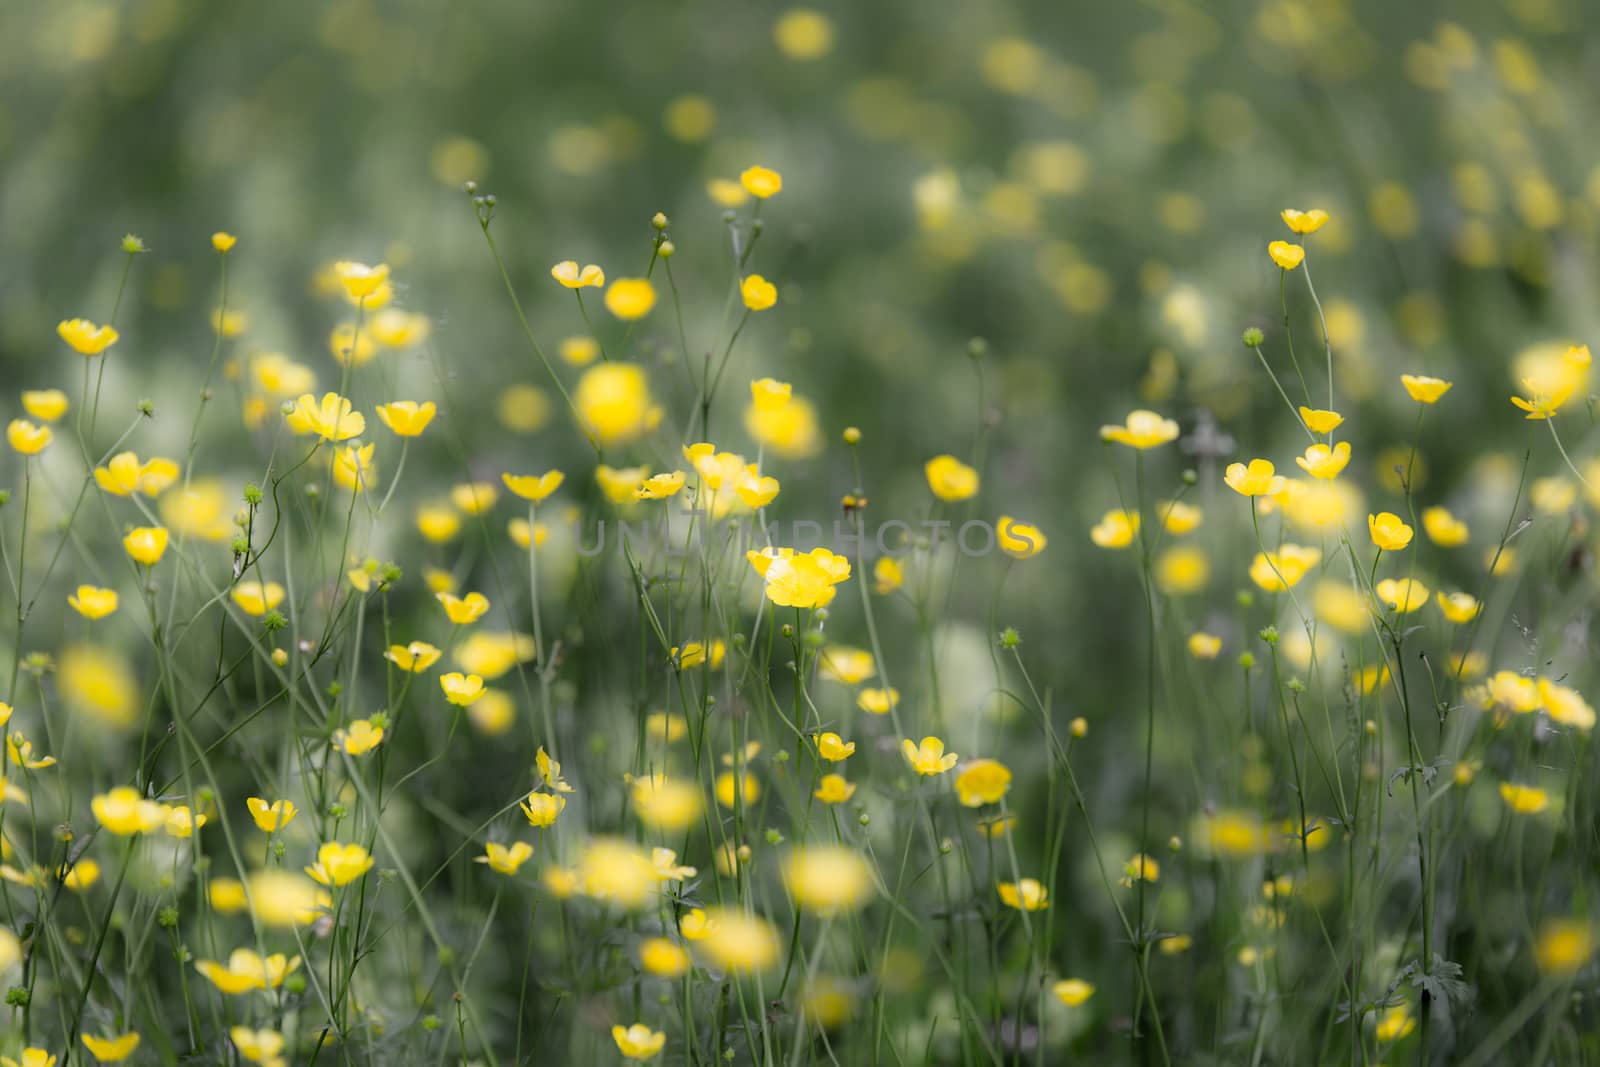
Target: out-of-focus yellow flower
{"type": "Point", "coordinates": [394, 328]}
{"type": "Point", "coordinates": [1458, 607]}
{"type": "Point", "coordinates": [361, 737]}
{"type": "Point", "coordinates": [735, 790]}
{"type": "Point", "coordinates": [28, 439]}
{"type": "Point", "coordinates": [92, 602]}
{"type": "Point", "coordinates": [85, 337]}
{"type": "Point", "coordinates": [1565, 705]}
{"type": "Point", "coordinates": [950, 479]}
{"type": "Point", "coordinates": [1304, 222]}
{"type": "Point", "coordinates": [1287, 256]}
{"type": "Point", "coordinates": [638, 1042]}
{"type": "Point", "coordinates": [928, 758]}
{"type": "Point", "coordinates": [613, 403]}
{"type": "Point", "coordinates": [493, 654]}
{"type": "Point", "coordinates": [665, 803]}
{"type": "Point", "coordinates": [46, 405]}
{"type": "Point", "coordinates": [125, 811]}
{"type": "Point", "coordinates": [1116, 529]}
{"type": "Point", "coordinates": [146, 544]}
{"type": "Point", "coordinates": [258, 1046]}
{"type": "Point", "coordinates": [660, 486]}
{"type": "Point", "coordinates": [223, 242]}
{"type": "Point", "coordinates": [354, 468]}
{"type": "Point", "coordinates": [617, 872]}
{"type": "Point", "coordinates": [663, 958]}
{"type": "Point", "coordinates": [800, 581]}
{"type": "Point", "coordinates": [463, 610]}
{"type": "Point", "coordinates": [112, 1049]}
{"type": "Point", "coordinates": [31, 1057]}
{"type": "Point", "coordinates": [542, 809]}
{"type": "Point", "coordinates": [284, 899]}
{"type": "Point", "coordinates": [1140, 867]}
{"type": "Point", "coordinates": [333, 418]}
{"type": "Point", "coordinates": [1204, 646]}
{"type": "Point", "coordinates": [1256, 479]}
{"type": "Point", "coordinates": [788, 429]}
{"type": "Point", "coordinates": [199, 510]}
{"type": "Point", "coordinates": [505, 860]}
{"type": "Point", "coordinates": [183, 822]}
{"type": "Point", "coordinates": [1443, 528]}
{"type": "Point", "coordinates": [461, 689]}
{"type": "Point", "coordinates": [803, 33]}
{"type": "Point", "coordinates": [348, 345]}
{"type": "Point", "coordinates": [438, 522]}
{"type": "Point", "coordinates": [257, 598]}
{"type": "Point", "coordinates": [738, 942]}
{"type": "Point", "coordinates": [568, 273]}
{"type": "Point", "coordinates": [630, 298]}
{"type": "Point", "coordinates": [1423, 389]}
{"type": "Point", "coordinates": [340, 864]}
{"type": "Point", "coordinates": [359, 280]}
{"type": "Point", "coordinates": [877, 701]}
{"type": "Point", "coordinates": [1403, 595]}
{"type": "Point", "coordinates": [1564, 946]}
{"type": "Point", "coordinates": [1028, 894]}
{"type": "Point", "coordinates": [1020, 540]}
{"type": "Point", "coordinates": [406, 418]}
{"type": "Point", "coordinates": [474, 498]}
{"type": "Point", "coordinates": [758, 293]}
{"type": "Point", "coordinates": [270, 818]}
{"type": "Point", "coordinates": [833, 789]}
{"type": "Point", "coordinates": [827, 878]}
{"type": "Point", "coordinates": [1073, 991]}
{"type": "Point", "coordinates": [845, 665]}
{"type": "Point", "coordinates": [982, 781]}
{"type": "Point", "coordinates": [1283, 569]}
{"type": "Point", "coordinates": [246, 970]}
{"type": "Point", "coordinates": [533, 487]}
{"type": "Point", "coordinates": [1320, 420]}
{"type": "Point", "coordinates": [760, 182]}
{"type": "Point", "coordinates": [1142, 430]}
{"type": "Point", "coordinates": [887, 575]}
{"type": "Point", "coordinates": [726, 193]}
{"type": "Point", "coordinates": [619, 484]}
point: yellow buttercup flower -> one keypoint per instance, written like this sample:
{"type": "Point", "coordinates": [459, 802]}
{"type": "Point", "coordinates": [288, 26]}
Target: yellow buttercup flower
{"type": "Point", "coordinates": [416, 657]}
{"type": "Point", "coordinates": [111, 1049]}
{"type": "Point", "coordinates": [663, 958]}
{"type": "Point", "coordinates": [1458, 607]}
{"type": "Point", "coordinates": [638, 1042]}
{"type": "Point", "coordinates": [354, 469]}
{"type": "Point", "coordinates": [803, 33]}
{"type": "Point", "coordinates": [1073, 991]}
{"type": "Point", "coordinates": [246, 971]}
{"type": "Point", "coordinates": [438, 522]}
{"type": "Point", "coordinates": [756, 490]}
{"type": "Point", "coordinates": [223, 242]}
{"type": "Point", "coordinates": [257, 598]}
{"type": "Point", "coordinates": [877, 701]}
{"type": "Point", "coordinates": [1320, 420]}
{"type": "Point", "coordinates": [1256, 479]}
{"type": "Point", "coordinates": [463, 610]}
{"type": "Point", "coordinates": [272, 817]}
{"type": "Point", "coordinates": [1320, 461]}
{"type": "Point", "coordinates": [1204, 646]}
{"type": "Point", "coordinates": [760, 182]}
{"type": "Point", "coordinates": [258, 1046]}
{"type": "Point", "coordinates": [1028, 894]}
{"type": "Point", "coordinates": [85, 337]}
{"type": "Point", "coordinates": [46, 405]}
{"type": "Point", "coordinates": [887, 575]}
{"type": "Point", "coordinates": [31, 1057]}
{"type": "Point", "coordinates": [833, 789]}
{"type": "Point", "coordinates": [1285, 255]}
{"type": "Point", "coordinates": [146, 544]}
{"type": "Point", "coordinates": [726, 193]}
{"type": "Point", "coordinates": [1564, 946]}
{"type": "Point", "coordinates": [800, 581]}
{"type": "Point", "coordinates": [505, 860]}
{"type": "Point", "coordinates": [533, 487]}
{"type": "Point", "coordinates": [406, 418]}
{"type": "Point", "coordinates": [579, 351]}
{"type": "Point", "coordinates": [613, 403]}
{"type": "Point", "coordinates": [1443, 528]}
{"type": "Point", "coordinates": [1283, 569]}
{"type": "Point", "coordinates": [125, 811]}
{"type": "Point", "coordinates": [361, 737]}
{"type": "Point", "coordinates": [737, 941]}
{"type": "Point", "coordinates": [660, 486]}
{"type": "Point", "coordinates": [982, 781]}
{"type": "Point", "coordinates": [550, 772]}
{"type": "Point", "coordinates": [630, 298]}
{"type": "Point", "coordinates": [619, 484]}
{"type": "Point", "coordinates": [827, 878]}
{"type": "Point", "coordinates": [394, 328]}
{"type": "Point", "coordinates": [758, 293]}
{"type": "Point", "coordinates": [461, 689]}
{"type": "Point", "coordinates": [1142, 430]}
{"type": "Point", "coordinates": [182, 822]}
{"type": "Point", "coordinates": [1116, 529]}
{"type": "Point", "coordinates": [28, 439]}
{"type": "Point", "coordinates": [1304, 222]}
{"type": "Point", "coordinates": [1403, 595]}
{"type": "Point", "coordinates": [928, 758]}
{"type": "Point", "coordinates": [833, 748]}
{"type": "Point", "coordinates": [347, 345]}
{"type": "Point", "coordinates": [474, 498]}
{"type": "Point", "coordinates": [950, 479]}
{"type": "Point", "coordinates": [340, 864]}
{"type": "Point", "coordinates": [1423, 389]}
{"type": "Point", "coordinates": [1565, 705]}
{"type": "Point", "coordinates": [1388, 531]}
{"type": "Point", "coordinates": [542, 809]}
{"type": "Point", "coordinates": [1524, 799]}
{"type": "Point", "coordinates": [359, 280]}
{"type": "Point", "coordinates": [568, 273]}
{"type": "Point", "coordinates": [92, 602]}
{"type": "Point", "coordinates": [1019, 540]}
{"type": "Point", "coordinates": [333, 418]}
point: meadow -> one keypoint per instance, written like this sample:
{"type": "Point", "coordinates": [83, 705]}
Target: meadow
{"type": "Point", "coordinates": [917, 533]}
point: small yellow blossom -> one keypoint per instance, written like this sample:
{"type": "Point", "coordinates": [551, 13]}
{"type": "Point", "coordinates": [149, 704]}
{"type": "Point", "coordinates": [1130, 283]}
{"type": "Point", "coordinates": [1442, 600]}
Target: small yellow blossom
{"type": "Point", "coordinates": [1141, 430]}
{"type": "Point", "coordinates": [1423, 389]}
{"type": "Point", "coordinates": [929, 758]}
{"type": "Point", "coordinates": [406, 418]}
{"type": "Point", "coordinates": [1285, 255]}
{"type": "Point", "coordinates": [340, 864]}
{"type": "Point", "coordinates": [630, 298]}
{"type": "Point", "coordinates": [760, 182]}
{"type": "Point", "coordinates": [568, 273]}
{"type": "Point", "coordinates": [85, 337]}
{"type": "Point", "coordinates": [950, 479]}
{"type": "Point", "coordinates": [272, 817]}
{"type": "Point", "coordinates": [1256, 479]}
{"type": "Point", "coordinates": [1388, 532]}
